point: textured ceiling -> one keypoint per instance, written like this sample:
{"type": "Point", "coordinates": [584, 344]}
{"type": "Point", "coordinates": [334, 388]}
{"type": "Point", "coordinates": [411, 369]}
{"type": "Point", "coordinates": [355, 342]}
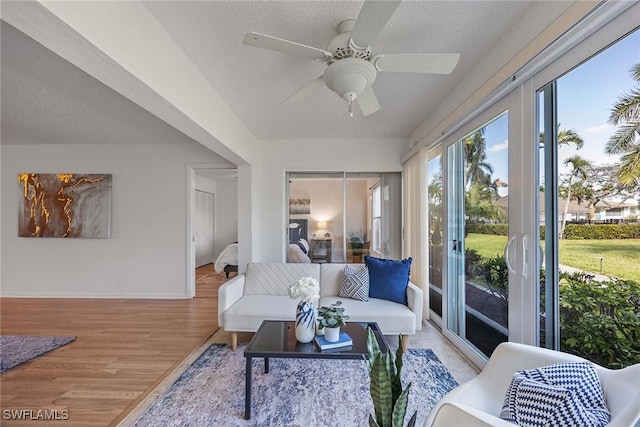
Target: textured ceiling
{"type": "Point", "coordinates": [46, 99]}
{"type": "Point", "coordinates": [254, 81]}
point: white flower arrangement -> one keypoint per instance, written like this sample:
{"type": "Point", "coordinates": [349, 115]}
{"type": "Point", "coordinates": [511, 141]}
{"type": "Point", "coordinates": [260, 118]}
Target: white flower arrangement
{"type": "Point", "coordinates": [306, 288]}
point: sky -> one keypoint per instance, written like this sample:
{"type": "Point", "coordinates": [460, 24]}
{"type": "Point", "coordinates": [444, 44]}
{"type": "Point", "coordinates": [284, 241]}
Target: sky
{"type": "Point", "coordinates": [587, 94]}
{"type": "Point", "coordinates": [585, 97]}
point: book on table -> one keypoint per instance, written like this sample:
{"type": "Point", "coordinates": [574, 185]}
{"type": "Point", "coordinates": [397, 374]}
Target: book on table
{"type": "Point", "coordinates": [343, 341]}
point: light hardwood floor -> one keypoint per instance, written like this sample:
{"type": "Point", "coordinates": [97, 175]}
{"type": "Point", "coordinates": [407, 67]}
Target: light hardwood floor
{"type": "Point", "coordinates": [123, 349]}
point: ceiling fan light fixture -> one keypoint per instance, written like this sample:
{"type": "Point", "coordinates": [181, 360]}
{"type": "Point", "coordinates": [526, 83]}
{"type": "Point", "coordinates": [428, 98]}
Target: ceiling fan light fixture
{"type": "Point", "coordinates": [351, 69]}
{"type": "Point", "coordinates": [350, 77]}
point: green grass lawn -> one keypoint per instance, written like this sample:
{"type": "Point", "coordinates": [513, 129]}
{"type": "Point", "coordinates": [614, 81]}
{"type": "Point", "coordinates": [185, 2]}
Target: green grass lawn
{"type": "Point", "coordinates": [621, 258]}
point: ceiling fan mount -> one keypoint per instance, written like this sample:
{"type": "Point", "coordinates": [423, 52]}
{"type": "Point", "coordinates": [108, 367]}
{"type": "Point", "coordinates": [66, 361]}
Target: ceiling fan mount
{"type": "Point", "coordinates": [341, 47]}
{"type": "Point", "coordinates": [351, 70]}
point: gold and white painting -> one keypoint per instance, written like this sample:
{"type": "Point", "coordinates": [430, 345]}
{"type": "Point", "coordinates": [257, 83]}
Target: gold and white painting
{"type": "Point", "coordinates": [64, 205]}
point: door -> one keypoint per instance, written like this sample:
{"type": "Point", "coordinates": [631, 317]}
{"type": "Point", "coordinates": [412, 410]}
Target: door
{"type": "Point", "coordinates": [590, 281]}
{"type": "Point", "coordinates": [435, 218]}
{"type": "Point", "coordinates": [475, 246]}
{"type": "Point", "coordinates": [203, 233]}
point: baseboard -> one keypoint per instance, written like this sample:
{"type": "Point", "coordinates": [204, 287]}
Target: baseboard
{"type": "Point", "coordinates": [92, 295]}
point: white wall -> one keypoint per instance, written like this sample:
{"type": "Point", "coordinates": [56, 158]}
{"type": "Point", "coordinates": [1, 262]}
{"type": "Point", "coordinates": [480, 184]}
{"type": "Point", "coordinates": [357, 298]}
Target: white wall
{"type": "Point", "coordinates": [226, 208]}
{"type": "Point", "coordinates": [145, 256]}
{"type": "Point", "coordinates": [278, 157]}
{"type": "Point", "coordinates": [205, 184]}
{"type": "Point", "coordinates": [357, 206]}
{"type": "Point", "coordinates": [326, 197]}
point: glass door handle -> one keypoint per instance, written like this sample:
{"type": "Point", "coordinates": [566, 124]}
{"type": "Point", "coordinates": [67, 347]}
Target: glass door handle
{"type": "Point", "coordinates": [525, 255]}
{"type": "Point", "coordinates": [506, 254]}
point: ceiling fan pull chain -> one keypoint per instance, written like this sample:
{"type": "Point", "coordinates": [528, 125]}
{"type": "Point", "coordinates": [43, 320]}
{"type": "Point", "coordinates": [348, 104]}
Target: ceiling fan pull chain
{"type": "Point", "coordinates": [351, 96]}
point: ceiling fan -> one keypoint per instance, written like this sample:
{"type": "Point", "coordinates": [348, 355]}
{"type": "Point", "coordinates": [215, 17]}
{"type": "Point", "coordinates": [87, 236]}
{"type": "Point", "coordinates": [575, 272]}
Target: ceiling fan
{"type": "Point", "coordinates": [351, 68]}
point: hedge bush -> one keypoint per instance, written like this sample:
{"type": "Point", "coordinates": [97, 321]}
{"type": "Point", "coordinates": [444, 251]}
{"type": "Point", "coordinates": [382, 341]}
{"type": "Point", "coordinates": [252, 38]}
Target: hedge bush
{"type": "Point", "coordinates": [571, 231]}
{"type": "Point", "coordinates": [602, 231]}
{"type": "Point", "coordinates": [600, 321]}
{"type": "Point", "coordinates": [491, 229]}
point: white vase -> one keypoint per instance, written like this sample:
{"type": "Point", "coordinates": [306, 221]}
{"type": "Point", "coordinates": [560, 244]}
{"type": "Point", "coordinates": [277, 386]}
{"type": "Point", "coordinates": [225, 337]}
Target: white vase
{"type": "Point", "coordinates": [305, 322]}
{"type": "Point", "coordinates": [332, 334]}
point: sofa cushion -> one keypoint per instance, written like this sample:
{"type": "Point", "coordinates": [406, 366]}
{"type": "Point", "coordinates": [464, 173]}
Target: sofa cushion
{"type": "Point", "coordinates": [247, 314]}
{"type": "Point", "coordinates": [565, 394]}
{"type": "Point", "coordinates": [331, 278]}
{"type": "Point", "coordinates": [355, 284]}
{"type": "Point", "coordinates": [388, 279]}
{"type": "Point", "coordinates": [392, 318]}
{"type": "Point", "coordinates": [276, 278]}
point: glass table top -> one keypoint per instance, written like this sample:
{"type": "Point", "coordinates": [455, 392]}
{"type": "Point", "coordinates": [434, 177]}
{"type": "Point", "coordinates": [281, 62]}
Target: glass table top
{"type": "Point", "coordinates": [276, 338]}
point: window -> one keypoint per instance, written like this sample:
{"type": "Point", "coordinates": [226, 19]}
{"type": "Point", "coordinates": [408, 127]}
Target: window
{"type": "Point", "coordinates": [478, 230]}
{"type": "Point", "coordinates": [589, 300]}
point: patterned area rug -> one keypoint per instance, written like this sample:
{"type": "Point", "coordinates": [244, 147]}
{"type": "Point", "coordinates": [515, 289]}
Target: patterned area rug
{"type": "Point", "coordinates": [17, 349]}
{"type": "Point", "coordinates": [295, 392]}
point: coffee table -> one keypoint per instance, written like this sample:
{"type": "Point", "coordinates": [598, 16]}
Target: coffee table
{"type": "Point", "coordinates": [276, 339]}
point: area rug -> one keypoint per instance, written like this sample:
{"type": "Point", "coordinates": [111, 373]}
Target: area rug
{"type": "Point", "coordinates": [295, 392]}
{"type": "Point", "coordinates": [17, 349]}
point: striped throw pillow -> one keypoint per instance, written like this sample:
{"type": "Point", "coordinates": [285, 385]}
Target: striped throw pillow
{"type": "Point", "coordinates": [565, 394]}
{"type": "Point", "coordinates": [355, 285]}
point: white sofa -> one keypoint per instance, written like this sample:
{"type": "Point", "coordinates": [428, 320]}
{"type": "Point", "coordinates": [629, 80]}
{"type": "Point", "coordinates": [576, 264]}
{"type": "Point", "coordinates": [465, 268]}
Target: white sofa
{"type": "Point", "coordinates": [262, 294]}
{"type": "Point", "coordinates": [479, 402]}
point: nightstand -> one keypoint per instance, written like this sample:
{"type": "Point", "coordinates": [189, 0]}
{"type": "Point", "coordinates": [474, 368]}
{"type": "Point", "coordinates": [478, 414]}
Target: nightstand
{"type": "Point", "coordinates": [320, 250]}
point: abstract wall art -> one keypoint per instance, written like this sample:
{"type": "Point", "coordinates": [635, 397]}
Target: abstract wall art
{"type": "Point", "coordinates": [300, 206]}
{"type": "Point", "coordinates": [64, 205]}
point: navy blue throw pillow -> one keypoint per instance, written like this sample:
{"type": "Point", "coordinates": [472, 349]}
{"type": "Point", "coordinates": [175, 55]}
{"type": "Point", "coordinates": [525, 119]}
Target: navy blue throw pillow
{"type": "Point", "coordinates": [388, 278]}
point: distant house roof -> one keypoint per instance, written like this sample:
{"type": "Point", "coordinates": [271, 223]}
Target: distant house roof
{"type": "Point", "coordinates": [574, 208]}
{"type": "Point", "coordinates": [613, 204]}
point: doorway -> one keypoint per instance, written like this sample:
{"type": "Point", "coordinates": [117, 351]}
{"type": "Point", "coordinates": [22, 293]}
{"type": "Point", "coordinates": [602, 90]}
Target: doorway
{"type": "Point", "coordinates": [212, 226]}
{"type": "Point", "coordinates": [203, 233]}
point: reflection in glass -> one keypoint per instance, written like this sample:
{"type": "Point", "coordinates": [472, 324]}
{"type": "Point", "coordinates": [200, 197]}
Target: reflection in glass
{"type": "Point", "coordinates": [478, 199]}
{"type": "Point", "coordinates": [342, 217]}
{"type": "Point", "coordinates": [434, 197]}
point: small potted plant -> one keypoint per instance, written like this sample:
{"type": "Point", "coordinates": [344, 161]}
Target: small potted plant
{"type": "Point", "coordinates": [331, 319]}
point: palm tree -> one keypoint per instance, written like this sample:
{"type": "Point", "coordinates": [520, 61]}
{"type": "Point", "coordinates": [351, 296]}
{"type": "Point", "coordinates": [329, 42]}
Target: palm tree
{"type": "Point", "coordinates": [475, 150]}
{"type": "Point", "coordinates": [579, 168]}
{"type": "Point", "coordinates": [569, 136]}
{"type": "Point", "coordinates": [565, 137]}
{"type": "Point", "coordinates": [626, 114]}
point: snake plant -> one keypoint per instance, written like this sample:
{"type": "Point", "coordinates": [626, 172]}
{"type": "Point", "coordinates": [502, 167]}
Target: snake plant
{"type": "Point", "coordinates": [389, 399]}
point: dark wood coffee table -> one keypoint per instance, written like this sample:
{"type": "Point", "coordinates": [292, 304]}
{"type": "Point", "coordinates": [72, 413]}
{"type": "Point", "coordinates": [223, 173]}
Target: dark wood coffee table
{"type": "Point", "coordinates": [276, 339]}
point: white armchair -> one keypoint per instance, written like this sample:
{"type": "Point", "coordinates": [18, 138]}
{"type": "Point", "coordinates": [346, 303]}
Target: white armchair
{"type": "Point", "coordinates": [479, 401]}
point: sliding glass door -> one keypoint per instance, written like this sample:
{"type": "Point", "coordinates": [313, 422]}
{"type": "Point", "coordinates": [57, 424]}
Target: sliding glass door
{"type": "Point", "coordinates": [435, 220]}
{"type": "Point", "coordinates": [532, 205]}
{"type": "Point", "coordinates": [477, 234]}
{"type": "Point", "coordinates": [341, 217]}
{"type": "Point", "coordinates": [590, 181]}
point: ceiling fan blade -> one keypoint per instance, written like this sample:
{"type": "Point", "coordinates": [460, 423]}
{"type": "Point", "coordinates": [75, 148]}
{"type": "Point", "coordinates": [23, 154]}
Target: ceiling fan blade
{"type": "Point", "coordinates": [433, 63]}
{"type": "Point", "coordinates": [368, 102]}
{"type": "Point", "coordinates": [305, 91]}
{"type": "Point", "coordinates": [372, 18]}
{"type": "Point", "coordinates": [286, 46]}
